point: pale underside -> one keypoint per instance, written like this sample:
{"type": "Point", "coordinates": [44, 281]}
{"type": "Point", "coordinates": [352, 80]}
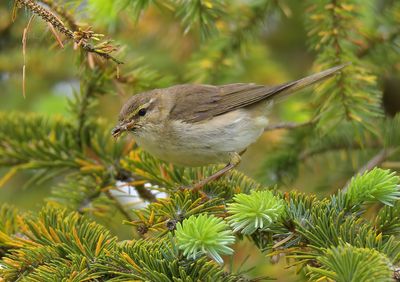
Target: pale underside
{"type": "Point", "coordinates": [207, 142]}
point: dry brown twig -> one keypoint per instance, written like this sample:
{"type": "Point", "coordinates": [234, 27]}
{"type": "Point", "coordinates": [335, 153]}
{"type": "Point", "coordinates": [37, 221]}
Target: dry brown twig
{"type": "Point", "coordinates": [54, 32]}
{"type": "Point", "coordinates": [80, 37]}
{"type": "Point", "coordinates": [63, 13]}
{"type": "Point", "coordinates": [24, 36]}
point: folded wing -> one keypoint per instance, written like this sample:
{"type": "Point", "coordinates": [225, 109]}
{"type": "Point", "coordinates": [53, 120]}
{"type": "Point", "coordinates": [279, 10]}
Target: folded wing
{"type": "Point", "coordinates": [202, 102]}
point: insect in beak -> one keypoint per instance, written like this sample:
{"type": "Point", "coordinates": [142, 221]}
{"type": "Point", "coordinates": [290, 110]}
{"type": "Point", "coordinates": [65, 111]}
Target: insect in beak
{"type": "Point", "coordinates": [116, 132]}
{"type": "Point", "coordinates": [121, 128]}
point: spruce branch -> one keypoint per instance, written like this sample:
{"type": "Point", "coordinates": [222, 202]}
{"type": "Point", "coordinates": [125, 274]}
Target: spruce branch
{"type": "Point", "coordinates": [160, 260]}
{"type": "Point", "coordinates": [208, 62]}
{"type": "Point", "coordinates": [348, 263]}
{"type": "Point", "coordinates": [374, 42]}
{"type": "Point", "coordinates": [386, 36]}
{"type": "Point", "coordinates": [204, 235]}
{"type": "Point", "coordinates": [172, 178]}
{"type": "Point", "coordinates": [162, 216]}
{"type": "Point", "coordinates": [80, 37]}
{"type": "Point", "coordinates": [258, 211]}
{"type": "Point", "coordinates": [62, 12]}
{"type": "Point", "coordinates": [47, 16]}
{"type": "Point", "coordinates": [203, 13]}
{"type": "Point", "coordinates": [336, 26]}
{"type": "Point", "coordinates": [375, 185]}
{"type": "Point", "coordinates": [387, 220]}
{"type": "Point", "coordinates": [353, 95]}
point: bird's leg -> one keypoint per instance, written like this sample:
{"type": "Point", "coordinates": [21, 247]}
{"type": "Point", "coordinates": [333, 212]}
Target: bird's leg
{"type": "Point", "coordinates": [233, 162]}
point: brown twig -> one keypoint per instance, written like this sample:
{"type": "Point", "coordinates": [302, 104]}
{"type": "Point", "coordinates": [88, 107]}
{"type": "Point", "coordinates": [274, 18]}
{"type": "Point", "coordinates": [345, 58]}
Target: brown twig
{"type": "Point", "coordinates": [24, 37]}
{"type": "Point", "coordinates": [62, 13]}
{"type": "Point", "coordinates": [128, 177]}
{"type": "Point", "coordinates": [118, 205]}
{"type": "Point", "coordinates": [53, 31]}
{"type": "Point", "coordinates": [335, 147]}
{"type": "Point", "coordinates": [382, 155]}
{"type": "Point", "coordinates": [392, 165]}
{"type": "Point", "coordinates": [78, 36]}
{"type": "Point", "coordinates": [145, 194]}
{"type": "Point", "coordinates": [288, 125]}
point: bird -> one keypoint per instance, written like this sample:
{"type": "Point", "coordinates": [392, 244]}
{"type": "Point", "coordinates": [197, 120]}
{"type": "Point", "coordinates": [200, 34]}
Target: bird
{"type": "Point", "coordinates": [198, 124]}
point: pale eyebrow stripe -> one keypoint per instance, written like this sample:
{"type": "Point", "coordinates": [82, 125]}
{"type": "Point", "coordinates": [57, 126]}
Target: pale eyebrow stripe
{"type": "Point", "coordinates": [139, 108]}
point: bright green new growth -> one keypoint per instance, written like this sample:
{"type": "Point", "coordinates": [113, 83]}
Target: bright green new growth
{"type": "Point", "coordinates": [204, 234]}
{"type": "Point", "coordinates": [347, 263]}
{"type": "Point", "coordinates": [259, 210]}
{"type": "Point", "coordinates": [375, 185]}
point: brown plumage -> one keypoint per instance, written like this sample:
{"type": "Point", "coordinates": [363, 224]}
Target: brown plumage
{"type": "Point", "coordinates": [195, 103]}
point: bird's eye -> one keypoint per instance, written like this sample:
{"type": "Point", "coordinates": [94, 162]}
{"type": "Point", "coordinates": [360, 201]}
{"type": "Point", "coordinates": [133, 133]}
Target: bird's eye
{"type": "Point", "coordinates": [142, 112]}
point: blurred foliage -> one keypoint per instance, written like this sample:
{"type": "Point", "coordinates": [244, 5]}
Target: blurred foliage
{"type": "Point", "coordinates": [57, 155]}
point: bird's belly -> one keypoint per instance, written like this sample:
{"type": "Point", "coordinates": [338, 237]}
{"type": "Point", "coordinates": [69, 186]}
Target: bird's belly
{"type": "Point", "coordinates": [205, 142]}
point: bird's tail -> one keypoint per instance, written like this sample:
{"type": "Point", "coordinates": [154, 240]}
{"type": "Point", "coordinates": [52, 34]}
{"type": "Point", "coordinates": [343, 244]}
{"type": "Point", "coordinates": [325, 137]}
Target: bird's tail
{"type": "Point", "coordinates": [290, 87]}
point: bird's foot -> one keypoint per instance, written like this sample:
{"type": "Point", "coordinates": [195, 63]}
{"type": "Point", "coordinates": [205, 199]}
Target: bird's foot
{"type": "Point", "coordinates": [196, 188]}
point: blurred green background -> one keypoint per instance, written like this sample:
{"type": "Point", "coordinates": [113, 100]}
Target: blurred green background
{"type": "Point", "coordinates": [157, 43]}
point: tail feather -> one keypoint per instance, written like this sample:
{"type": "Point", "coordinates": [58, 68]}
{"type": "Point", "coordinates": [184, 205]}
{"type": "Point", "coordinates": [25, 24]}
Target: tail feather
{"type": "Point", "coordinates": [290, 87]}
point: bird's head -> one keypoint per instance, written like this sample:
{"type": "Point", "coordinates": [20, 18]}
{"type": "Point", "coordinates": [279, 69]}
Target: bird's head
{"type": "Point", "coordinates": [137, 113]}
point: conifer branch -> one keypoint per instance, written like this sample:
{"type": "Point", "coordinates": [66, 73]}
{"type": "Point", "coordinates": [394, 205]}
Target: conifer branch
{"type": "Point", "coordinates": [333, 34]}
{"type": "Point", "coordinates": [68, 17]}
{"type": "Point", "coordinates": [234, 41]}
{"type": "Point", "coordinates": [372, 43]}
{"type": "Point", "coordinates": [336, 26]}
{"type": "Point", "coordinates": [375, 161]}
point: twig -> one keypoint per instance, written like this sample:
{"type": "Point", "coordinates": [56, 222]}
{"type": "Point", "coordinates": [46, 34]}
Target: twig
{"type": "Point", "coordinates": [393, 165]}
{"type": "Point", "coordinates": [283, 241]}
{"type": "Point", "coordinates": [118, 205]}
{"type": "Point", "coordinates": [335, 147]}
{"type": "Point", "coordinates": [127, 176]}
{"type": "Point", "coordinates": [24, 37]}
{"type": "Point", "coordinates": [62, 12]}
{"type": "Point", "coordinates": [53, 31]}
{"type": "Point", "coordinates": [287, 125]}
{"type": "Point", "coordinates": [382, 155]}
{"type": "Point", "coordinates": [47, 16]}
{"type": "Point", "coordinates": [86, 201]}
{"type": "Point", "coordinates": [145, 194]}
{"type": "Point", "coordinates": [79, 37]}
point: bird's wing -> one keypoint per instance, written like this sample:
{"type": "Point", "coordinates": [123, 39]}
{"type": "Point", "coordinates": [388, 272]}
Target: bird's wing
{"type": "Point", "coordinates": [200, 102]}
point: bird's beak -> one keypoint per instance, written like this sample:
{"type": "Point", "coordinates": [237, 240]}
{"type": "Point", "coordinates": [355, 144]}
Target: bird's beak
{"type": "Point", "coordinates": [121, 128]}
